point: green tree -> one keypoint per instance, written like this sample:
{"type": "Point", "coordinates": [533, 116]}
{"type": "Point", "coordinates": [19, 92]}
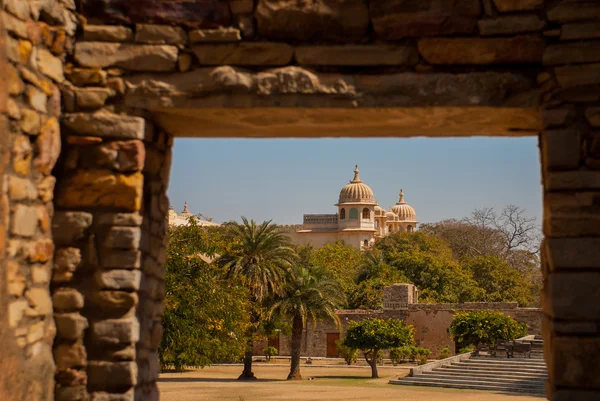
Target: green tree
{"type": "Point", "coordinates": [341, 261]}
{"type": "Point", "coordinates": [308, 296]}
{"type": "Point", "coordinates": [484, 327]}
{"type": "Point", "coordinates": [372, 336]}
{"type": "Point", "coordinates": [350, 355]}
{"type": "Point", "coordinates": [205, 318]}
{"type": "Point", "coordinates": [260, 258]}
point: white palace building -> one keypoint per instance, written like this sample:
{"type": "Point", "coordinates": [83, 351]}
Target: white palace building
{"type": "Point", "coordinates": [359, 222]}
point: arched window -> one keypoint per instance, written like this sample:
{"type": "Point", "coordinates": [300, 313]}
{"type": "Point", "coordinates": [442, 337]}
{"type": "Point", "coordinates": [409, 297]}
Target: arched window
{"type": "Point", "coordinates": [376, 224]}
{"type": "Point", "coordinates": [366, 243]}
{"type": "Point", "coordinates": [410, 229]}
{"type": "Point", "coordinates": [343, 214]}
{"type": "Point", "coordinates": [390, 229]}
{"type": "Point", "coordinates": [353, 214]}
{"type": "Point", "coordinates": [366, 213]}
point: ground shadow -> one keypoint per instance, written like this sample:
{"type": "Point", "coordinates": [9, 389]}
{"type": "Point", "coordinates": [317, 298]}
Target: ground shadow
{"type": "Point", "coordinates": [214, 380]}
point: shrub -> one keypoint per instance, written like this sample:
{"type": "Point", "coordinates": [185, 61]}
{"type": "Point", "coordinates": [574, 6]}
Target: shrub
{"type": "Point", "coordinates": [398, 355]}
{"type": "Point", "coordinates": [422, 354]}
{"type": "Point", "coordinates": [349, 354]}
{"type": "Point", "coordinates": [445, 353]}
{"type": "Point", "coordinates": [485, 327]}
{"type": "Point", "coordinates": [270, 352]}
{"type": "Point", "coordinates": [464, 350]}
{"type": "Point", "coordinates": [412, 353]}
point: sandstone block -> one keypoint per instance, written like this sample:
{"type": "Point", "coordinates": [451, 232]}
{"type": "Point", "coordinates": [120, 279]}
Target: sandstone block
{"type": "Point", "coordinates": [113, 303]}
{"type": "Point", "coordinates": [122, 156]}
{"type": "Point", "coordinates": [70, 227]}
{"type": "Point", "coordinates": [357, 55]}
{"type": "Point", "coordinates": [16, 280]}
{"type": "Point", "coordinates": [123, 238]}
{"type": "Point", "coordinates": [397, 19]}
{"type": "Point", "coordinates": [592, 115]}
{"type": "Point", "coordinates": [557, 117]}
{"type": "Point", "coordinates": [127, 56]}
{"type": "Point", "coordinates": [16, 311]}
{"type": "Point", "coordinates": [92, 98]}
{"type": "Point", "coordinates": [14, 25]}
{"type": "Point", "coordinates": [561, 149]}
{"type": "Point", "coordinates": [18, 8]}
{"type": "Point", "coordinates": [114, 353]}
{"type": "Point", "coordinates": [13, 110]}
{"type": "Point", "coordinates": [70, 326]}
{"type": "Point", "coordinates": [40, 274]}
{"type": "Point", "coordinates": [118, 279]}
{"type": "Point", "coordinates": [71, 393]}
{"type": "Point", "coordinates": [105, 125]}
{"type": "Point", "coordinates": [87, 76]}
{"type": "Point", "coordinates": [120, 219]}
{"type": "Point", "coordinates": [215, 35]}
{"type": "Point", "coordinates": [583, 30]}
{"type": "Point", "coordinates": [15, 84]}
{"type": "Point", "coordinates": [22, 153]}
{"type": "Point", "coordinates": [95, 188]}
{"type": "Point", "coordinates": [66, 262]}
{"type": "Point", "coordinates": [111, 376]}
{"type": "Point", "coordinates": [35, 333]}
{"type": "Point", "coordinates": [70, 356]}
{"type": "Point", "coordinates": [36, 99]}
{"type": "Point", "coordinates": [116, 331]}
{"type": "Point", "coordinates": [572, 180]}
{"type": "Point", "coordinates": [184, 62]}
{"type": "Point", "coordinates": [573, 253]}
{"type": "Point", "coordinates": [48, 146]}
{"type": "Point", "coordinates": [520, 49]}
{"type": "Point", "coordinates": [24, 221]}
{"type": "Point", "coordinates": [50, 65]}
{"type": "Point", "coordinates": [574, 362]}
{"type": "Point", "coordinates": [20, 189]}
{"type": "Point", "coordinates": [120, 259]}
{"type": "Point", "coordinates": [250, 53]}
{"type": "Point", "coordinates": [246, 25]}
{"type": "Point", "coordinates": [45, 189]}
{"type": "Point", "coordinates": [107, 33]}
{"type": "Point", "coordinates": [39, 299]}
{"type": "Point", "coordinates": [70, 378]}
{"type": "Point", "coordinates": [40, 251]}
{"type": "Point", "coordinates": [241, 6]}
{"type": "Point", "coordinates": [572, 53]}
{"type": "Point", "coordinates": [30, 121]}
{"type": "Point", "coordinates": [160, 34]}
{"type": "Point", "coordinates": [67, 299]}
{"type": "Point", "coordinates": [510, 25]}
{"type": "Point", "coordinates": [574, 10]}
{"type": "Point", "coordinates": [323, 20]}
{"type": "Point", "coordinates": [518, 5]}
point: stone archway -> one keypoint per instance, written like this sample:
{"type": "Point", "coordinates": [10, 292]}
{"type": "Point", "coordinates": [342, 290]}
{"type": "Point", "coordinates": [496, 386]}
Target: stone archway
{"type": "Point", "coordinates": [210, 68]}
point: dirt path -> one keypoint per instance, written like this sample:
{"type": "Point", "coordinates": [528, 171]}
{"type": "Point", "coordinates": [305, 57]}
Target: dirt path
{"type": "Point", "coordinates": [329, 384]}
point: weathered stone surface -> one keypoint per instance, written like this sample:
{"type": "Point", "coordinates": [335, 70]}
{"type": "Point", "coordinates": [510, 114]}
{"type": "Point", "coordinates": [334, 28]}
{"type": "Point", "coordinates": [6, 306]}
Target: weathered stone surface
{"type": "Point", "coordinates": [48, 145]}
{"type": "Point", "coordinates": [517, 5]}
{"type": "Point", "coordinates": [105, 125]}
{"type": "Point", "coordinates": [69, 227]}
{"type": "Point", "coordinates": [108, 376]}
{"type": "Point", "coordinates": [40, 250]}
{"type": "Point", "coordinates": [67, 299]}
{"type": "Point", "coordinates": [70, 378]}
{"type": "Point", "coordinates": [198, 13]}
{"type": "Point", "coordinates": [113, 303]}
{"type": "Point", "coordinates": [122, 156]}
{"type": "Point", "coordinates": [107, 33]}
{"type": "Point", "coordinates": [70, 356]}
{"type": "Point", "coordinates": [123, 238]}
{"type": "Point", "coordinates": [30, 121]}
{"type": "Point", "coordinates": [578, 75]}
{"type": "Point", "coordinates": [36, 332]}
{"type": "Point", "coordinates": [70, 326]}
{"type": "Point", "coordinates": [66, 262]}
{"type": "Point", "coordinates": [40, 274]}
{"type": "Point", "coordinates": [50, 65]}
{"type": "Point", "coordinates": [561, 148]}
{"type": "Point", "coordinates": [16, 310]}
{"type": "Point", "coordinates": [15, 84]}
{"type": "Point", "coordinates": [241, 6]}
{"type": "Point", "coordinates": [95, 188]}
{"type": "Point", "coordinates": [592, 115]}
{"type": "Point", "coordinates": [14, 25]}
{"type": "Point", "coordinates": [87, 76]}
{"type": "Point", "coordinates": [583, 30]}
{"type": "Point", "coordinates": [119, 259]}
{"type": "Point", "coordinates": [510, 25]}
{"type": "Point", "coordinates": [570, 180]}
{"type": "Point", "coordinates": [184, 62]}
{"type": "Point", "coordinates": [573, 253]}
{"type": "Point", "coordinates": [19, 8]}
{"type": "Point", "coordinates": [120, 219]}
{"type": "Point", "coordinates": [71, 393]}
{"type": "Point", "coordinates": [16, 280]}
{"type": "Point", "coordinates": [397, 19]}
{"type": "Point", "coordinates": [45, 188]}
{"type": "Point", "coordinates": [39, 299]}
{"type": "Point", "coordinates": [160, 34]}
{"type": "Point", "coordinates": [521, 49]}
{"type": "Point", "coordinates": [215, 35]}
{"type": "Point", "coordinates": [13, 109]}
{"type": "Point", "coordinates": [131, 57]}
{"type": "Point", "coordinates": [36, 99]}
{"type": "Point", "coordinates": [20, 189]}
{"type": "Point", "coordinates": [574, 10]}
{"type": "Point", "coordinates": [246, 25]}
{"type": "Point", "coordinates": [92, 98]}
{"type": "Point", "coordinates": [357, 55]}
{"type": "Point", "coordinates": [249, 53]}
{"type": "Point", "coordinates": [118, 279]}
{"type": "Point", "coordinates": [324, 20]}
{"type": "Point", "coordinates": [572, 53]}
{"type": "Point", "coordinates": [574, 362]}
{"type": "Point", "coordinates": [22, 153]}
{"type": "Point", "coordinates": [116, 331]}
{"type": "Point", "coordinates": [24, 221]}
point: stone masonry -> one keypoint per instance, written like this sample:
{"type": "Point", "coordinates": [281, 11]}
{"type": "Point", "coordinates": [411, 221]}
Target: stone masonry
{"type": "Point", "coordinates": [95, 91]}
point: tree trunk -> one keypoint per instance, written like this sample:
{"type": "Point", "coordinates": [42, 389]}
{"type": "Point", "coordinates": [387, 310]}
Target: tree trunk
{"type": "Point", "coordinates": [296, 345]}
{"type": "Point", "coordinates": [247, 374]}
{"type": "Point", "coordinates": [372, 361]}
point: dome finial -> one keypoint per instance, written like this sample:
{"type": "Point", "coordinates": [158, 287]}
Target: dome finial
{"type": "Point", "coordinates": [356, 177]}
{"type": "Point", "coordinates": [401, 201]}
{"type": "Point", "coordinates": [185, 207]}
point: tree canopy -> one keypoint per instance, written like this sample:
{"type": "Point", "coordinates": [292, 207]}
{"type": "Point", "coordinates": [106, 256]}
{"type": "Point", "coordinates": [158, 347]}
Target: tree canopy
{"type": "Point", "coordinates": [485, 327]}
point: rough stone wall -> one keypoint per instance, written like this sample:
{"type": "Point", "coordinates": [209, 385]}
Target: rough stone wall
{"type": "Point", "coordinates": [38, 39]}
{"type": "Point", "coordinates": [570, 152]}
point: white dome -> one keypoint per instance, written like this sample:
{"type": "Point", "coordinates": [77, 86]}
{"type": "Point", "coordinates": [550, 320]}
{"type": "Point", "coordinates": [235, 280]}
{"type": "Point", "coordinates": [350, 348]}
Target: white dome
{"type": "Point", "coordinates": [391, 216]}
{"type": "Point", "coordinates": [356, 191]}
{"type": "Point", "coordinates": [403, 210]}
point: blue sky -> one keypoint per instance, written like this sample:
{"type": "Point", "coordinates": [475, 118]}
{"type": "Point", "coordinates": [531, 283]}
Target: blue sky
{"type": "Point", "coordinates": [281, 179]}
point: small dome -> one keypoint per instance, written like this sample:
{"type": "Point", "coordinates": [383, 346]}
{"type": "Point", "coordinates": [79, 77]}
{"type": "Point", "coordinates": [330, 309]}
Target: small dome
{"type": "Point", "coordinates": [356, 191]}
{"type": "Point", "coordinates": [403, 210]}
{"type": "Point", "coordinates": [391, 216]}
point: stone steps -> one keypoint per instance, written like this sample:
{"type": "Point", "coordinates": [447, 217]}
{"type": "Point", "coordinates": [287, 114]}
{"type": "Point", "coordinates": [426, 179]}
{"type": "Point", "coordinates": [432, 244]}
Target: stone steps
{"type": "Point", "coordinates": [484, 373]}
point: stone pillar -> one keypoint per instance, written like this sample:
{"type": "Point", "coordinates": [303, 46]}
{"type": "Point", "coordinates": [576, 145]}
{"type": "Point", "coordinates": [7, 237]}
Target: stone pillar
{"type": "Point", "coordinates": [570, 153]}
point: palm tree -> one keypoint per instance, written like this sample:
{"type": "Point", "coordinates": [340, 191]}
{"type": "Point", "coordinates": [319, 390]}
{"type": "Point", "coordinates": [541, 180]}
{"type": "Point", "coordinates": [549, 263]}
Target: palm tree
{"type": "Point", "coordinates": [261, 258]}
{"type": "Point", "coordinates": [309, 295]}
